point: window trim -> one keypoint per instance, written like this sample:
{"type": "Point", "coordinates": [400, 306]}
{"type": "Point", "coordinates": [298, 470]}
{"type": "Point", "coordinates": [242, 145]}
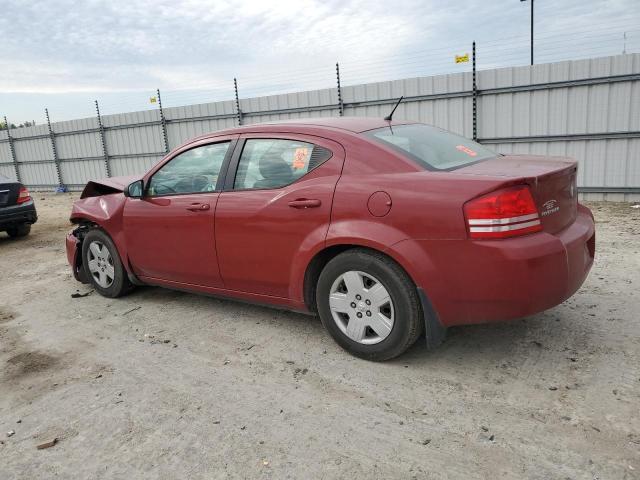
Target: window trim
{"type": "Point", "coordinates": [237, 154]}
{"type": "Point", "coordinates": [221, 175]}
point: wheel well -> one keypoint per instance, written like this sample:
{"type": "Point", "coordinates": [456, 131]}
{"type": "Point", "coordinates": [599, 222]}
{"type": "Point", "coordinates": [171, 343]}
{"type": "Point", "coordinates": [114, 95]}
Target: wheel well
{"type": "Point", "coordinates": [83, 227]}
{"type": "Point", "coordinates": [316, 265]}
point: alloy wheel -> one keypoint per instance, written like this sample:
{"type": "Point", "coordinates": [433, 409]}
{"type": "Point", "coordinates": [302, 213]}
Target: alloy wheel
{"type": "Point", "coordinates": [361, 307]}
{"type": "Point", "coordinates": [100, 264]}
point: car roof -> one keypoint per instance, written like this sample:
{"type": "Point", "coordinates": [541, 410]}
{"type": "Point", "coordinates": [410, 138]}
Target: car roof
{"type": "Point", "coordinates": [353, 125]}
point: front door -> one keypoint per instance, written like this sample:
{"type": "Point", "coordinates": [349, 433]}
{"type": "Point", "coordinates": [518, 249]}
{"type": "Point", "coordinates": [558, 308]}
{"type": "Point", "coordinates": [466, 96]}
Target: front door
{"type": "Point", "coordinates": [170, 232]}
{"type": "Point", "coordinates": [277, 205]}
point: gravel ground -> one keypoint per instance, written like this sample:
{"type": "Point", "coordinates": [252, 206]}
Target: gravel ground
{"type": "Point", "coordinates": [163, 384]}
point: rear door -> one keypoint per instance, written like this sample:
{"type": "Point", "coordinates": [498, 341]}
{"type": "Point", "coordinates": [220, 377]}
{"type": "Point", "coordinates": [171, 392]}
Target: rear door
{"type": "Point", "coordinates": [276, 204]}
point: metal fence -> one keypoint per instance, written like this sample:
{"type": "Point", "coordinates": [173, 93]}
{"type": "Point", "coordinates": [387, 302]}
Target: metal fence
{"type": "Point", "coordinates": [587, 109]}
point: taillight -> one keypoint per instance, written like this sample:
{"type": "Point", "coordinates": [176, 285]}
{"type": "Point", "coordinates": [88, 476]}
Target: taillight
{"type": "Point", "coordinates": [504, 213]}
{"type": "Point", "coordinates": [23, 196]}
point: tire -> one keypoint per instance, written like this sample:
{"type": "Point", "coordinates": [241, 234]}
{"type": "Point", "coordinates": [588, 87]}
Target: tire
{"type": "Point", "coordinates": [19, 230]}
{"type": "Point", "coordinates": [391, 327]}
{"type": "Point", "coordinates": [105, 272]}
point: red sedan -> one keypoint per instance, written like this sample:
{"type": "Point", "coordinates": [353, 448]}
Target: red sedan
{"type": "Point", "coordinates": [385, 229]}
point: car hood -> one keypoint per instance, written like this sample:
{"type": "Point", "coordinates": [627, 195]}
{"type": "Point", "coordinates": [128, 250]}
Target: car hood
{"type": "Point", "coordinates": [96, 188]}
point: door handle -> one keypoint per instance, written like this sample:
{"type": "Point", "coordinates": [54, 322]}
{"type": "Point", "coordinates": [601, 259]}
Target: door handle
{"type": "Point", "coordinates": [198, 207]}
{"type": "Point", "coordinates": [305, 203]}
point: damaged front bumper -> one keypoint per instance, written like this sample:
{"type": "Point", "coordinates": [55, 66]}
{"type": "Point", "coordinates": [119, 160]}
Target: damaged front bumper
{"type": "Point", "coordinates": [74, 253]}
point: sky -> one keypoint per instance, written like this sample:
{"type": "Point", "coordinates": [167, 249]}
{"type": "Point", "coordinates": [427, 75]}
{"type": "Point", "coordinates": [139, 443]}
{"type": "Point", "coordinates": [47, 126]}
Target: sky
{"type": "Point", "coordinates": [64, 54]}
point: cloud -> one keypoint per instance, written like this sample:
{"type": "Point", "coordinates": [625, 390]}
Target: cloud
{"type": "Point", "coordinates": [188, 46]}
{"type": "Point", "coordinates": [187, 43]}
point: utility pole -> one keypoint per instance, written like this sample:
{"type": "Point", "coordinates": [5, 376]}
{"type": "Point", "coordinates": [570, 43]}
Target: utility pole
{"type": "Point", "coordinates": [531, 1]}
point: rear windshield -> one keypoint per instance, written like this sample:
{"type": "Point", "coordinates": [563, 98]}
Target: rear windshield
{"type": "Point", "coordinates": [433, 148]}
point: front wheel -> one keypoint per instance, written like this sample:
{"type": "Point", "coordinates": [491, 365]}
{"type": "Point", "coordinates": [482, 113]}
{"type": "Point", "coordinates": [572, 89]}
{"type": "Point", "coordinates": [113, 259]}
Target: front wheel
{"type": "Point", "coordinates": [369, 305]}
{"type": "Point", "coordinates": [103, 266]}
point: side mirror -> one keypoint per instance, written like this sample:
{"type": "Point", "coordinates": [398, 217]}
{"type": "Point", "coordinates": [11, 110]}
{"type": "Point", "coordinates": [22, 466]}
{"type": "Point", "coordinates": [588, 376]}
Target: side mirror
{"type": "Point", "coordinates": [134, 190]}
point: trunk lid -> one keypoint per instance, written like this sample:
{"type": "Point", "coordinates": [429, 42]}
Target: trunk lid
{"type": "Point", "coordinates": [552, 181]}
{"type": "Point", "coordinates": [9, 193]}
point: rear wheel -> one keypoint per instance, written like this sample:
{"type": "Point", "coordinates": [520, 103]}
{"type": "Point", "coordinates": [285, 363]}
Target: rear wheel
{"type": "Point", "coordinates": [19, 230]}
{"type": "Point", "coordinates": [103, 266]}
{"type": "Point", "coordinates": [369, 305]}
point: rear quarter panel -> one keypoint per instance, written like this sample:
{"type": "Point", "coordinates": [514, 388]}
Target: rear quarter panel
{"type": "Point", "coordinates": [424, 204]}
{"type": "Point", "coordinates": [425, 227]}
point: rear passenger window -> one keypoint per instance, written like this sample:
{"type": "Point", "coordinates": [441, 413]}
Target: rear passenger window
{"type": "Point", "coordinates": [273, 163]}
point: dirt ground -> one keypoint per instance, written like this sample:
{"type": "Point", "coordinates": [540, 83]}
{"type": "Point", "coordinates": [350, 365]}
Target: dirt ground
{"type": "Point", "coordinates": [162, 384]}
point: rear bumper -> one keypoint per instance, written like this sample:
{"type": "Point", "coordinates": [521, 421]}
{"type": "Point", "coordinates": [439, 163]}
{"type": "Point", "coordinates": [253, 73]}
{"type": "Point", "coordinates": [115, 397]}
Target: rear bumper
{"type": "Point", "coordinates": [492, 280]}
{"type": "Point", "coordinates": [18, 215]}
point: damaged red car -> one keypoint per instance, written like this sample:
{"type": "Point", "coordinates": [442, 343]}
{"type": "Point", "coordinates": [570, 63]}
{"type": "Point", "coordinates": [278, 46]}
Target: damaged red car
{"type": "Point", "coordinates": [387, 230]}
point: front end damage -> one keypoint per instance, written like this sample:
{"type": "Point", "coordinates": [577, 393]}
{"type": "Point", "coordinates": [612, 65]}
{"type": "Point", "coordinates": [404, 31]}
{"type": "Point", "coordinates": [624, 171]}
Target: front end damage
{"type": "Point", "coordinates": [74, 252]}
{"type": "Point", "coordinates": [100, 206]}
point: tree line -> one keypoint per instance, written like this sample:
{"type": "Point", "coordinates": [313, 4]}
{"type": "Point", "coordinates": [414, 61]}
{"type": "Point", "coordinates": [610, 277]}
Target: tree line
{"type": "Point", "coordinates": [3, 126]}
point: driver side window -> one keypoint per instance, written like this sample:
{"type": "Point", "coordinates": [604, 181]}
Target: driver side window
{"type": "Point", "coordinates": [193, 171]}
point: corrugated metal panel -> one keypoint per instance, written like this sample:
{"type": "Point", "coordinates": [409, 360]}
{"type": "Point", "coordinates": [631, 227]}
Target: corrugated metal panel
{"type": "Point", "coordinates": [632, 171]}
{"type": "Point", "coordinates": [29, 131]}
{"type": "Point", "coordinates": [38, 174]}
{"type": "Point", "coordinates": [7, 171]}
{"type": "Point", "coordinates": [133, 165]}
{"type": "Point", "coordinates": [75, 125]}
{"type": "Point", "coordinates": [136, 141]}
{"type": "Point", "coordinates": [180, 131]}
{"type": "Point", "coordinates": [80, 145]}
{"type": "Point", "coordinates": [130, 118]}
{"type": "Point", "coordinates": [580, 109]}
{"type": "Point", "coordinates": [146, 139]}
{"type": "Point", "coordinates": [610, 197]}
{"type": "Point", "coordinates": [5, 153]}
{"type": "Point", "coordinates": [601, 163]}
{"type": "Point", "coordinates": [31, 150]}
{"type": "Point", "coordinates": [82, 171]}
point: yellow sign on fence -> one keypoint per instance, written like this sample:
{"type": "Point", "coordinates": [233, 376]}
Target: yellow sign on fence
{"type": "Point", "coordinates": [462, 58]}
{"type": "Point", "coordinates": [152, 100]}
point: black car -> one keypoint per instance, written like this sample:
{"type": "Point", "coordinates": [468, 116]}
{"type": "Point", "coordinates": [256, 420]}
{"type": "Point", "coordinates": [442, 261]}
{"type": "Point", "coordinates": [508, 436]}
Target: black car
{"type": "Point", "coordinates": [17, 210]}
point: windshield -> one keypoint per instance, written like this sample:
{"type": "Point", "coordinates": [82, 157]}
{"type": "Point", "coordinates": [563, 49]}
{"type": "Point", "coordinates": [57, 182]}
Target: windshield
{"type": "Point", "coordinates": [433, 148]}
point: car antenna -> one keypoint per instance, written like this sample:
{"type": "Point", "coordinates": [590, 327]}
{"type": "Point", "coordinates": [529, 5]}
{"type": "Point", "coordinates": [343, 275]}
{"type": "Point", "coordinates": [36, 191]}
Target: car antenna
{"type": "Point", "coordinates": [390, 116]}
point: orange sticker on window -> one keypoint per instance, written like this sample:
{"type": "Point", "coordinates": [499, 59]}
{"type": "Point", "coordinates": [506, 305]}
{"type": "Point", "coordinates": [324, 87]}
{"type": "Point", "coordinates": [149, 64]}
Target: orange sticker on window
{"type": "Point", "coordinates": [300, 158]}
{"type": "Point", "coordinates": [466, 150]}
